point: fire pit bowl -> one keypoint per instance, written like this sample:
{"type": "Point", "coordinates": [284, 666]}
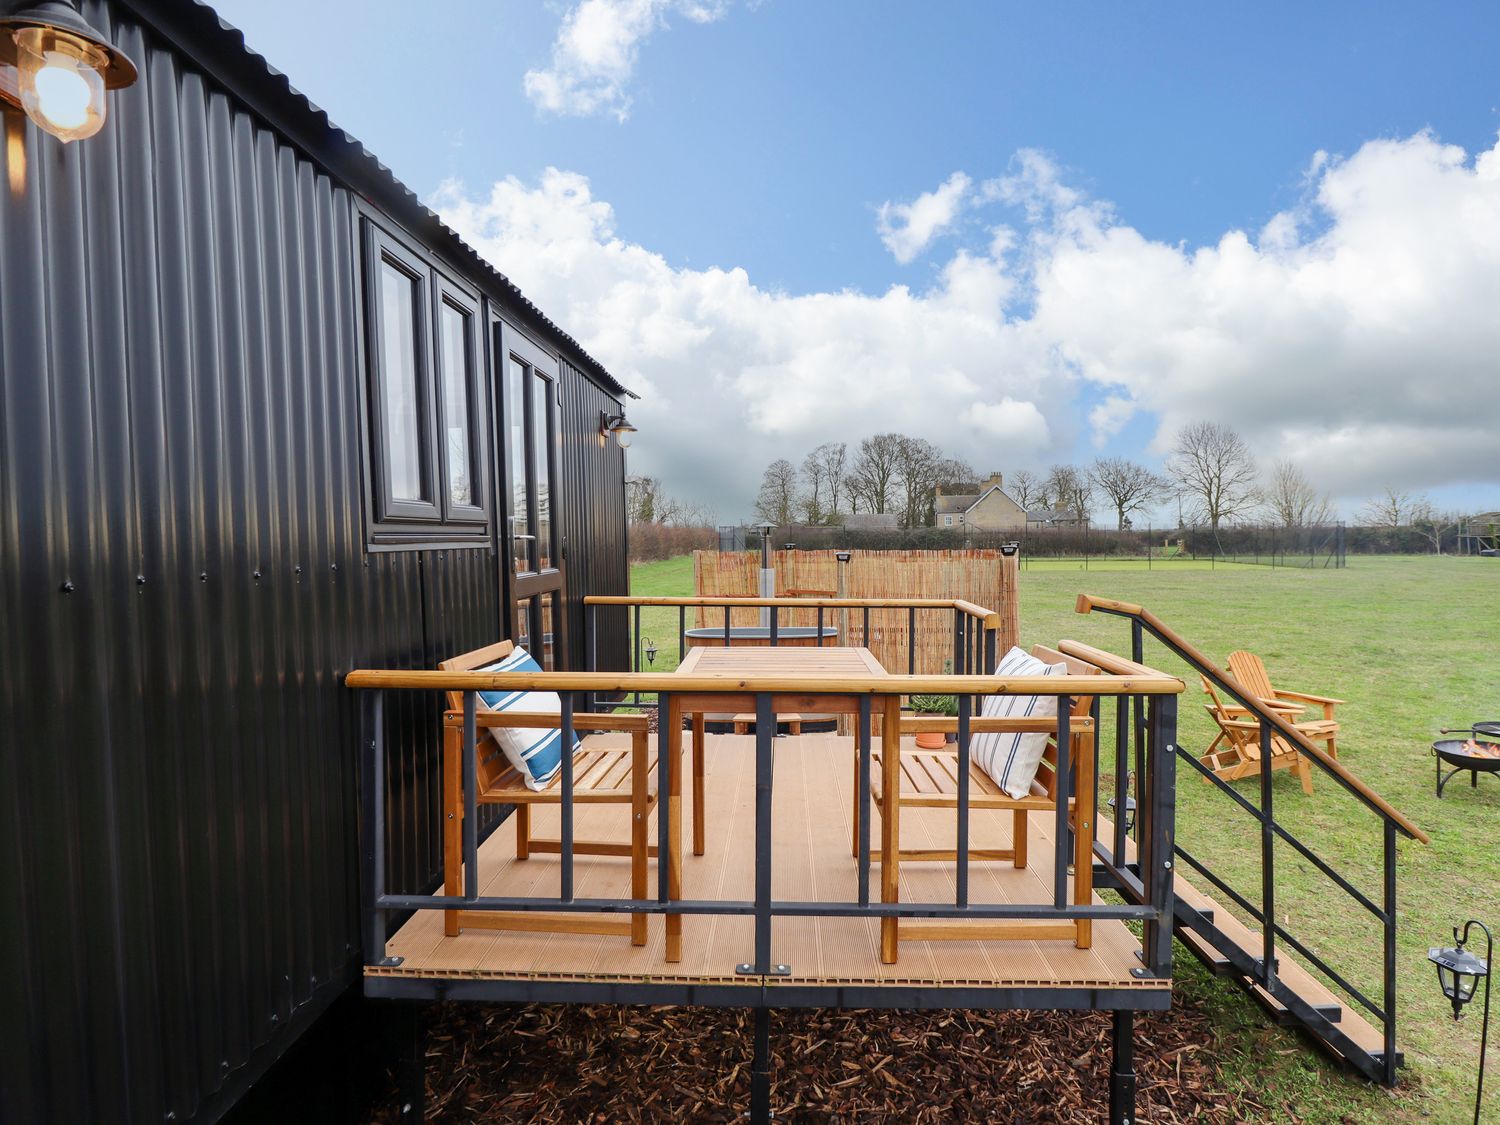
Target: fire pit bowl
{"type": "Point", "coordinates": [1459, 753]}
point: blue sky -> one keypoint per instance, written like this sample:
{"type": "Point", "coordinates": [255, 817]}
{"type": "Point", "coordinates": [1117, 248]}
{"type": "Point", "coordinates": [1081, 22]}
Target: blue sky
{"type": "Point", "coordinates": [767, 137]}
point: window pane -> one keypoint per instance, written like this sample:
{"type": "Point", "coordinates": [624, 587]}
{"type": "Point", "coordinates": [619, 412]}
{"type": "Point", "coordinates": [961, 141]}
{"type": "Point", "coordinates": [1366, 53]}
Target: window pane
{"type": "Point", "coordinates": [523, 624]}
{"type": "Point", "coordinates": [520, 524]}
{"type": "Point", "coordinates": [398, 384]}
{"type": "Point", "coordinates": [547, 658]}
{"type": "Point", "coordinates": [458, 442]}
{"type": "Point", "coordinates": [541, 415]}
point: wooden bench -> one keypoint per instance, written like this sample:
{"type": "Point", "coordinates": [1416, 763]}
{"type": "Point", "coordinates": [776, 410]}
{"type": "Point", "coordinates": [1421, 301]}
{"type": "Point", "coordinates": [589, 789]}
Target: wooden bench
{"type": "Point", "coordinates": [929, 779]}
{"type": "Point", "coordinates": [602, 774]}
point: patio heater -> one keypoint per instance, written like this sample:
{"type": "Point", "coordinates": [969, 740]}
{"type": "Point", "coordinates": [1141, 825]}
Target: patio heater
{"type": "Point", "coordinates": [767, 574]}
{"type": "Point", "coordinates": [843, 592]}
{"type": "Point", "coordinates": [1458, 973]}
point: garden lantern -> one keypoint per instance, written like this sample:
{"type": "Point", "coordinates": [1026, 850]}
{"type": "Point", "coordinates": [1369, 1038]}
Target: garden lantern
{"type": "Point", "coordinates": [63, 67]}
{"type": "Point", "coordinates": [1459, 972]}
{"type": "Point", "coordinates": [650, 651]}
{"type": "Point", "coordinates": [1129, 802]}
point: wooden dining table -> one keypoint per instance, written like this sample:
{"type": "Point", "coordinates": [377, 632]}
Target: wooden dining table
{"type": "Point", "coordinates": [831, 663]}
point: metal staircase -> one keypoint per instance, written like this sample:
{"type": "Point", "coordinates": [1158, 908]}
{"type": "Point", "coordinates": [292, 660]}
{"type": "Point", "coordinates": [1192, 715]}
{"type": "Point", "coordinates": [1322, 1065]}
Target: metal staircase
{"type": "Point", "coordinates": [1359, 1030]}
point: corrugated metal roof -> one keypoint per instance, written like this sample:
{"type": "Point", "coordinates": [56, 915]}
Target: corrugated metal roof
{"type": "Point", "coordinates": [198, 29]}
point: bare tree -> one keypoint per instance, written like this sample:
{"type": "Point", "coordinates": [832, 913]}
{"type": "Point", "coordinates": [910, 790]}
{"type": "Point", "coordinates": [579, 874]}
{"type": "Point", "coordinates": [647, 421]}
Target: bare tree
{"type": "Point", "coordinates": [1068, 488]}
{"type": "Point", "coordinates": [824, 471]}
{"type": "Point", "coordinates": [1129, 486]}
{"type": "Point", "coordinates": [1216, 470]}
{"type": "Point", "coordinates": [1433, 524]}
{"type": "Point", "coordinates": [873, 477]}
{"type": "Point", "coordinates": [779, 499]}
{"type": "Point", "coordinates": [920, 466]}
{"type": "Point", "coordinates": [641, 495]}
{"type": "Point", "coordinates": [1293, 501]}
{"type": "Point", "coordinates": [1394, 507]}
{"type": "Point", "coordinates": [1025, 488]}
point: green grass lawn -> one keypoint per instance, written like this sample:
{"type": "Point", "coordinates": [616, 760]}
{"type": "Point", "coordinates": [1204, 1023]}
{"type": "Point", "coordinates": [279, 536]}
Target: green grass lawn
{"type": "Point", "coordinates": [1407, 643]}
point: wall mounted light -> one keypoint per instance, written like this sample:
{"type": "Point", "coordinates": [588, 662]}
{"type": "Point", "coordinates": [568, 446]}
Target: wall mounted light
{"type": "Point", "coordinates": [1008, 549]}
{"type": "Point", "coordinates": [62, 67]}
{"type": "Point", "coordinates": [618, 425]}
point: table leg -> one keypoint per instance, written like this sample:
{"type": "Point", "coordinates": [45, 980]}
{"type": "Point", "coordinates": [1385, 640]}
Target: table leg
{"type": "Point", "coordinates": [699, 739]}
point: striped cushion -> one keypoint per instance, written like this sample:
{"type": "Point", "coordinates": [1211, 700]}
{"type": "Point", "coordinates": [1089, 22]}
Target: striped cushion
{"type": "Point", "coordinates": [536, 753]}
{"type": "Point", "coordinates": [1011, 760]}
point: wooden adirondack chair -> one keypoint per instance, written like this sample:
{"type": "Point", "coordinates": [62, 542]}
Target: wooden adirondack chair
{"type": "Point", "coordinates": [1319, 730]}
{"type": "Point", "coordinates": [928, 779]}
{"type": "Point", "coordinates": [1238, 752]}
{"type": "Point", "coordinates": [1250, 673]}
{"type": "Point", "coordinates": [602, 774]}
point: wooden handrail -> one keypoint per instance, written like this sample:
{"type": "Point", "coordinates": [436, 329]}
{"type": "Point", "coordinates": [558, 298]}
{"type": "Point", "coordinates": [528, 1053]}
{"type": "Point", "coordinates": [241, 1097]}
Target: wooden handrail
{"type": "Point", "coordinates": [1087, 603]}
{"type": "Point", "coordinates": [1105, 661]}
{"type": "Point", "coordinates": [780, 685]}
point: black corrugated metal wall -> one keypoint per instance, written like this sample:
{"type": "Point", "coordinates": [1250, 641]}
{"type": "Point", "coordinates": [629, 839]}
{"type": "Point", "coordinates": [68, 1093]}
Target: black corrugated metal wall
{"type": "Point", "coordinates": [183, 584]}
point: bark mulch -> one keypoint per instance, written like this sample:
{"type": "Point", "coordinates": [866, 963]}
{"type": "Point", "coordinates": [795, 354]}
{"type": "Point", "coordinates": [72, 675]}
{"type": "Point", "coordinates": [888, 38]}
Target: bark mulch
{"type": "Point", "coordinates": [561, 1063]}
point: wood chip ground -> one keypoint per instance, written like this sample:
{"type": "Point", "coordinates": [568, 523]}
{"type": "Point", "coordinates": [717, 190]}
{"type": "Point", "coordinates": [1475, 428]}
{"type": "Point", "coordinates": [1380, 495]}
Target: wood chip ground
{"type": "Point", "coordinates": [557, 1063]}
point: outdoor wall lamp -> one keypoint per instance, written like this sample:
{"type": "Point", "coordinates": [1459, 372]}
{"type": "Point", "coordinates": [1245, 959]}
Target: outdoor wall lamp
{"type": "Point", "coordinates": [844, 556]}
{"type": "Point", "coordinates": [1458, 973]}
{"type": "Point", "coordinates": [618, 425]}
{"type": "Point", "coordinates": [56, 67]}
{"type": "Point", "coordinates": [1008, 549]}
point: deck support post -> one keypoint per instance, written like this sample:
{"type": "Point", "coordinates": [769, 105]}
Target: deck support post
{"type": "Point", "coordinates": [411, 1062]}
{"type": "Point", "coordinates": [1122, 1069]}
{"type": "Point", "coordinates": [760, 1070]}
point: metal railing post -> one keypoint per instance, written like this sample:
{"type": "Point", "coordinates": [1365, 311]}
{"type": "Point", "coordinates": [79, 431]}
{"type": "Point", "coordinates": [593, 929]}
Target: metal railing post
{"type": "Point", "coordinates": [911, 640]}
{"type": "Point", "coordinates": [373, 852]}
{"type": "Point", "coordinates": [1267, 863]}
{"type": "Point", "coordinates": [1122, 777]}
{"type": "Point", "coordinates": [962, 896]}
{"type": "Point", "coordinates": [1064, 788]}
{"type": "Point", "coordinates": [864, 800]}
{"type": "Point", "coordinates": [991, 643]}
{"type": "Point", "coordinates": [471, 800]}
{"type": "Point", "coordinates": [635, 649]}
{"type": "Point", "coordinates": [566, 714]}
{"type": "Point", "coordinates": [765, 734]}
{"type": "Point", "coordinates": [1389, 921]}
{"type": "Point", "coordinates": [775, 632]}
{"type": "Point", "coordinates": [665, 747]}
{"type": "Point", "coordinates": [820, 627]}
{"type": "Point", "coordinates": [681, 633]}
{"type": "Point", "coordinates": [957, 663]}
{"type": "Point", "coordinates": [726, 627]}
{"type": "Point", "coordinates": [1154, 840]}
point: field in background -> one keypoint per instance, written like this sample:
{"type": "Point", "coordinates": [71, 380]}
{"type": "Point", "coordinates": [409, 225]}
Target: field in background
{"type": "Point", "coordinates": [1409, 643]}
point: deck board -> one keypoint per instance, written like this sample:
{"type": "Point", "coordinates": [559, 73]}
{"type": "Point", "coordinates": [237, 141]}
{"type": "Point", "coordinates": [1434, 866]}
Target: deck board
{"type": "Point", "coordinates": [811, 860]}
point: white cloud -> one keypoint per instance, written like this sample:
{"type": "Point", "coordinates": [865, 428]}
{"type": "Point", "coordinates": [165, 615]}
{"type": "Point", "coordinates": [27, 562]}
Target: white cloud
{"type": "Point", "coordinates": [1368, 352]}
{"type": "Point", "coordinates": [733, 375]}
{"type": "Point", "coordinates": [595, 52]}
{"type": "Point", "coordinates": [909, 228]}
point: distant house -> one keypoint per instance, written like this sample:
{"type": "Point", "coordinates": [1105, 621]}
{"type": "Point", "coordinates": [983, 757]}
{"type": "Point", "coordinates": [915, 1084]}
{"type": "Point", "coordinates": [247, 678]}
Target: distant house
{"type": "Point", "coordinates": [872, 521]}
{"type": "Point", "coordinates": [984, 506]}
{"type": "Point", "coordinates": [1054, 517]}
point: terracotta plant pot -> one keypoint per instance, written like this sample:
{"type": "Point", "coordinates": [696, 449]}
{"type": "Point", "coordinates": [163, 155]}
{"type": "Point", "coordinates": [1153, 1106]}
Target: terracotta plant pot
{"type": "Point", "coordinates": [931, 740]}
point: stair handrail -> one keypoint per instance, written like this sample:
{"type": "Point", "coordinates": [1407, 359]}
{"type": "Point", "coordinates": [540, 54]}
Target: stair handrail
{"type": "Point", "coordinates": [1168, 636]}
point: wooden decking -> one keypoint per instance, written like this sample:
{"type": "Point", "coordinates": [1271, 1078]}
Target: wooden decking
{"type": "Point", "coordinates": [812, 860]}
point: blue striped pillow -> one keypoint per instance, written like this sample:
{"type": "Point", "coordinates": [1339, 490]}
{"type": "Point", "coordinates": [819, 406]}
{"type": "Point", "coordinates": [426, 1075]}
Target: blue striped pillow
{"type": "Point", "coordinates": [1012, 760]}
{"type": "Point", "coordinates": [535, 752]}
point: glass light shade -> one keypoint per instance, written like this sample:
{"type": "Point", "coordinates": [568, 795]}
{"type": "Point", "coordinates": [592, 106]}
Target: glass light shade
{"type": "Point", "coordinates": [1459, 972]}
{"type": "Point", "coordinates": [624, 435]}
{"type": "Point", "coordinates": [62, 82]}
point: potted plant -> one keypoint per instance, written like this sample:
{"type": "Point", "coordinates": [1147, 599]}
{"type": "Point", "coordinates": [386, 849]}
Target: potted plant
{"type": "Point", "coordinates": [933, 705]}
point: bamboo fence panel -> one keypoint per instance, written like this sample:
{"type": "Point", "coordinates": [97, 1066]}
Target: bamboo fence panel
{"type": "Point", "coordinates": [984, 577]}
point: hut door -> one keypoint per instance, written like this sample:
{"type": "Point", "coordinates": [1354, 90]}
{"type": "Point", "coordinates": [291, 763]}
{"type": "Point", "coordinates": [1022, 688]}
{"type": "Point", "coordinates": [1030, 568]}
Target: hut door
{"type": "Point", "coordinates": [529, 441]}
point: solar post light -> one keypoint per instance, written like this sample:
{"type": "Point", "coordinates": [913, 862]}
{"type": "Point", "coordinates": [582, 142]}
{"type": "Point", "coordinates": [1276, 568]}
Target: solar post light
{"type": "Point", "coordinates": [1459, 972]}
{"type": "Point", "coordinates": [61, 67]}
